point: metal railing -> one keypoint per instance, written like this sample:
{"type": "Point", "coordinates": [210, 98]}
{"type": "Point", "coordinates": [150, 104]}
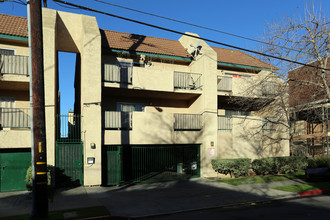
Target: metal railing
{"type": "Point", "coordinates": [14, 64]}
{"type": "Point", "coordinates": [269, 88]}
{"type": "Point", "coordinates": [187, 122]}
{"type": "Point", "coordinates": [225, 83]}
{"type": "Point", "coordinates": [117, 120]}
{"type": "Point", "coordinates": [68, 128]}
{"type": "Point", "coordinates": [225, 123]}
{"type": "Point", "coordinates": [114, 73]}
{"type": "Point", "coordinates": [15, 117]}
{"type": "Point", "coordinates": [184, 80]}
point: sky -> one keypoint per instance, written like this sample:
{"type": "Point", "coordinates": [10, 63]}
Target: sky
{"type": "Point", "coordinates": [247, 18]}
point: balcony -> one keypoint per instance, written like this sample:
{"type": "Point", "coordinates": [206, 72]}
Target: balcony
{"type": "Point", "coordinates": [15, 117]}
{"type": "Point", "coordinates": [184, 80]}
{"type": "Point", "coordinates": [14, 65]}
{"type": "Point", "coordinates": [151, 128]}
{"type": "Point", "coordinates": [246, 86]}
{"type": "Point", "coordinates": [225, 123]}
{"type": "Point", "coordinates": [144, 78]}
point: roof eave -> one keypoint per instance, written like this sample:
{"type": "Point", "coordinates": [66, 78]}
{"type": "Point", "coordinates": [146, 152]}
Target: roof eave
{"type": "Point", "coordinates": [243, 66]}
{"type": "Point", "coordinates": [12, 37]}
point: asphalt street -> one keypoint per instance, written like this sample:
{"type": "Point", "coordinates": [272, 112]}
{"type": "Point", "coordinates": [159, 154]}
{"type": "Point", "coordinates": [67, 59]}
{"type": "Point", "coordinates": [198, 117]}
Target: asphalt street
{"type": "Point", "coordinates": [304, 208]}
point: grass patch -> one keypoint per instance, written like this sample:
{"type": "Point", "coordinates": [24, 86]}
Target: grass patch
{"type": "Point", "coordinates": [264, 179]}
{"type": "Point", "coordinates": [80, 213]}
{"type": "Point", "coordinates": [304, 187]}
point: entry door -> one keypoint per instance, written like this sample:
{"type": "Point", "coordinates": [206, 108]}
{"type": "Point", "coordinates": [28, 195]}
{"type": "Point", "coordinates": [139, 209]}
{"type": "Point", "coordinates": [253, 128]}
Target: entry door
{"type": "Point", "coordinates": [13, 167]}
{"type": "Point", "coordinates": [69, 164]}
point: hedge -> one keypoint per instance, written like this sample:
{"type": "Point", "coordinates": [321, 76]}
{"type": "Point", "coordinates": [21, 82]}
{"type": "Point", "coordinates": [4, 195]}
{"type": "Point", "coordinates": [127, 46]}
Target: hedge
{"type": "Point", "coordinates": [320, 162]}
{"type": "Point", "coordinates": [234, 167]}
{"type": "Point", "coordinates": [28, 177]}
{"type": "Point", "coordinates": [278, 165]}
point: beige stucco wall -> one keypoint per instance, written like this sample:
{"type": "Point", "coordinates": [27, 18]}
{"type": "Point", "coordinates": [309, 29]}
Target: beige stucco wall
{"type": "Point", "coordinates": [206, 104]}
{"type": "Point", "coordinates": [247, 140]}
{"type": "Point", "coordinates": [19, 49]}
{"type": "Point", "coordinates": [80, 34]}
{"type": "Point", "coordinates": [15, 138]}
{"type": "Point", "coordinates": [152, 128]}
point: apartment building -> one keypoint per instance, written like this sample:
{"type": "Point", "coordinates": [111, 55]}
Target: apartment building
{"type": "Point", "coordinates": [146, 108]}
{"type": "Point", "coordinates": [309, 107]}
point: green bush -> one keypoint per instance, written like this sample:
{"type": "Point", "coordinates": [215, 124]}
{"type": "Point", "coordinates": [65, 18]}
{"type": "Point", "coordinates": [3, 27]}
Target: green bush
{"type": "Point", "coordinates": [28, 177]}
{"type": "Point", "coordinates": [278, 165]}
{"type": "Point", "coordinates": [234, 167]}
{"type": "Point", "coordinates": [320, 162]}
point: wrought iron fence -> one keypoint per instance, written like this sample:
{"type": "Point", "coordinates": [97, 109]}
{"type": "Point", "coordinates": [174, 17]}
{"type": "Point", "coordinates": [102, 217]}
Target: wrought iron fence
{"type": "Point", "coordinates": [68, 128]}
{"type": "Point", "coordinates": [187, 122]}
{"type": "Point", "coordinates": [116, 73]}
{"type": "Point", "coordinates": [150, 163]}
{"type": "Point", "coordinates": [15, 117]}
{"type": "Point", "coordinates": [117, 120]}
{"type": "Point", "coordinates": [184, 80]}
{"type": "Point", "coordinates": [225, 123]}
{"type": "Point", "coordinates": [225, 83]}
{"type": "Point", "coordinates": [14, 64]}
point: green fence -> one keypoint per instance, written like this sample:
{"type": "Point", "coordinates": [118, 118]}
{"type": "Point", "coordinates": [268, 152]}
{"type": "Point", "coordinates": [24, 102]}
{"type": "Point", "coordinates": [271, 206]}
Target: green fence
{"type": "Point", "coordinates": [150, 163]}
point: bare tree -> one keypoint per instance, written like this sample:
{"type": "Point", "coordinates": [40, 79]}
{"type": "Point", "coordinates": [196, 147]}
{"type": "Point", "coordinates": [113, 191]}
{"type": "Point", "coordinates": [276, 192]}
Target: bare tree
{"type": "Point", "coordinates": [296, 88]}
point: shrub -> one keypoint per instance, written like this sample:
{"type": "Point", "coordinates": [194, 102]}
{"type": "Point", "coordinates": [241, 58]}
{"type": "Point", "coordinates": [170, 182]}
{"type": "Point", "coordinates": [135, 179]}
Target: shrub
{"type": "Point", "coordinates": [234, 167]}
{"type": "Point", "coordinates": [28, 177]}
{"type": "Point", "coordinates": [278, 165]}
{"type": "Point", "coordinates": [319, 162]}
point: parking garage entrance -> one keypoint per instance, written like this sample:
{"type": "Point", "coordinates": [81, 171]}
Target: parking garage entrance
{"type": "Point", "coordinates": [149, 163]}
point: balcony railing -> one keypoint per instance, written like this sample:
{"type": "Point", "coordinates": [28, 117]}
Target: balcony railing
{"type": "Point", "coordinates": [269, 88]}
{"type": "Point", "coordinates": [118, 120]}
{"type": "Point", "coordinates": [15, 117]}
{"type": "Point", "coordinates": [14, 64]}
{"type": "Point", "coordinates": [183, 80]}
{"type": "Point", "coordinates": [225, 83]}
{"type": "Point", "coordinates": [225, 123]}
{"type": "Point", "coordinates": [118, 74]}
{"type": "Point", "coordinates": [187, 122]}
{"type": "Point", "coordinates": [268, 125]}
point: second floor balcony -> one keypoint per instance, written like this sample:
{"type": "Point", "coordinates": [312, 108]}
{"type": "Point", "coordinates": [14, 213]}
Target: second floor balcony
{"type": "Point", "coordinates": [134, 77]}
{"type": "Point", "coordinates": [246, 86]}
{"type": "Point", "coordinates": [14, 65]}
{"type": "Point", "coordinates": [14, 117]}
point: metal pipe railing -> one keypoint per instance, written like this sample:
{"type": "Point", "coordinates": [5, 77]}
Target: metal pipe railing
{"type": "Point", "coordinates": [14, 64]}
{"type": "Point", "coordinates": [117, 120]}
{"type": "Point", "coordinates": [225, 83]}
{"type": "Point", "coordinates": [114, 73]}
{"type": "Point", "coordinates": [187, 122]}
{"type": "Point", "coordinates": [225, 123]}
{"type": "Point", "coordinates": [184, 80]}
{"type": "Point", "coordinates": [15, 117]}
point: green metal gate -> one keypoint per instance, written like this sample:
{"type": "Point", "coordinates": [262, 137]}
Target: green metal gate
{"type": "Point", "coordinates": [69, 151]}
{"type": "Point", "coordinates": [151, 163]}
{"type": "Point", "coordinates": [13, 167]}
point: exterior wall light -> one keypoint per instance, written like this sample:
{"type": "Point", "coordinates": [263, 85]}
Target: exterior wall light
{"type": "Point", "coordinates": [90, 160]}
{"type": "Point", "coordinates": [93, 146]}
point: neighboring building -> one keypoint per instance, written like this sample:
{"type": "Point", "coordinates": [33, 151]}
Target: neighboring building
{"type": "Point", "coordinates": [309, 107]}
{"type": "Point", "coordinates": [145, 109]}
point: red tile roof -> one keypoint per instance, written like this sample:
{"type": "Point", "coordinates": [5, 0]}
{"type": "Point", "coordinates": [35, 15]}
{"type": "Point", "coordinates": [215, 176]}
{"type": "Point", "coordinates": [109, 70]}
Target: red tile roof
{"type": "Point", "coordinates": [239, 57]}
{"type": "Point", "coordinates": [140, 43]}
{"type": "Point", "coordinates": [17, 26]}
{"type": "Point", "coordinates": [13, 25]}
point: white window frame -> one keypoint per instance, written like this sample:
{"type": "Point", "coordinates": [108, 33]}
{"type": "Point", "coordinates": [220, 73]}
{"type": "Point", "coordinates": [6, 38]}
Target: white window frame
{"type": "Point", "coordinates": [2, 48]}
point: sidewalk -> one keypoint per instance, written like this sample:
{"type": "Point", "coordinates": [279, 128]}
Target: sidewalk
{"type": "Point", "coordinates": [143, 200]}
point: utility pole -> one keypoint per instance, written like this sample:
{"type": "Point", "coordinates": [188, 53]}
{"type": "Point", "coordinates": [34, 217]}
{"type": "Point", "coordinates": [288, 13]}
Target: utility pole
{"type": "Point", "coordinates": [39, 160]}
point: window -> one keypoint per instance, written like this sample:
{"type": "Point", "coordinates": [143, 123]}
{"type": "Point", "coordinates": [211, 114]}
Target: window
{"type": "Point", "coordinates": [7, 102]}
{"type": "Point", "coordinates": [237, 75]}
{"type": "Point", "coordinates": [4, 51]}
{"type": "Point", "coordinates": [130, 107]}
{"type": "Point", "coordinates": [237, 112]}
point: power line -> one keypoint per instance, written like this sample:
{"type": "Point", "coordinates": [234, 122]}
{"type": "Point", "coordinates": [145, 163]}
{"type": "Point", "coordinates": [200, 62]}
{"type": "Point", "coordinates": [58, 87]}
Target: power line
{"type": "Point", "coordinates": [189, 35]}
{"type": "Point", "coordinates": [198, 26]}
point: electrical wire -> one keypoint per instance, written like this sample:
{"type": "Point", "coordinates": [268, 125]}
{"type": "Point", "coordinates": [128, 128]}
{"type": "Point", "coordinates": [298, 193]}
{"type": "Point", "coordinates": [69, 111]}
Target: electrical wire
{"type": "Point", "coordinates": [198, 26]}
{"type": "Point", "coordinates": [189, 35]}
